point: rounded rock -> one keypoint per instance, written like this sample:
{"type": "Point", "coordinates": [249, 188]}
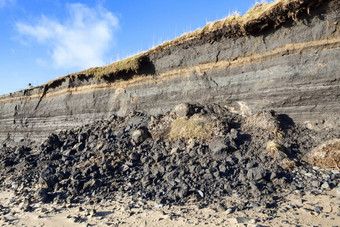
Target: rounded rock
{"type": "Point", "coordinates": [139, 135]}
{"type": "Point", "coordinates": [183, 110]}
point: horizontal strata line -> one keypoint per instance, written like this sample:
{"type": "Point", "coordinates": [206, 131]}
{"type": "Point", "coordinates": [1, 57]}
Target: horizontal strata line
{"type": "Point", "coordinates": [200, 69]}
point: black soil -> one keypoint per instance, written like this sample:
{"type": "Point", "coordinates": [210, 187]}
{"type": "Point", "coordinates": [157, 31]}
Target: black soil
{"type": "Point", "coordinates": [108, 159]}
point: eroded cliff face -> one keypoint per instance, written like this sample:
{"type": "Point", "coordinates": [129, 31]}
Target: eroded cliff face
{"type": "Point", "coordinates": [293, 69]}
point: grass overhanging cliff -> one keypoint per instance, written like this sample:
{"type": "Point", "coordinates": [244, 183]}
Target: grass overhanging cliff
{"type": "Point", "coordinates": [263, 16]}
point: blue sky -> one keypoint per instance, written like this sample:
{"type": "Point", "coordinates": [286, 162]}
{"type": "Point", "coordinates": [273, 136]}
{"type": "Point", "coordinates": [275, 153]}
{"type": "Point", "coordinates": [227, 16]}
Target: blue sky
{"type": "Point", "coordinates": [41, 40]}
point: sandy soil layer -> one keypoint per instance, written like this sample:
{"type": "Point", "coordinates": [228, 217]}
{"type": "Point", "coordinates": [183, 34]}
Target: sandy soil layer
{"type": "Point", "coordinates": [312, 209]}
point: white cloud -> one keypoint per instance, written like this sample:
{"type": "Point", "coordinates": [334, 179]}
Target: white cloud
{"type": "Point", "coordinates": [41, 62]}
{"type": "Point", "coordinates": [4, 3]}
{"type": "Point", "coordinates": [81, 41]}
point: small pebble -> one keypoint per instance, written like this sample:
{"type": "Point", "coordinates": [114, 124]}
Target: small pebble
{"type": "Point", "coordinates": [230, 210]}
{"type": "Point", "coordinates": [318, 209]}
{"type": "Point", "coordinates": [255, 205]}
{"type": "Point", "coordinates": [244, 220]}
{"type": "Point", "coordinates": [315, 183]}
{"type": "Point", "coordinates": [284, 222]}
{"type": "Point", "coordinates": [325, 186]}
{"type": "Point", "coordinates": [220, 208]}
{"type": "Point", "coordinates": [283, 211]}
{"type": "Point", "coordinates": [335, 172]}
{"type": "Point", "coordinates": [160, 205]}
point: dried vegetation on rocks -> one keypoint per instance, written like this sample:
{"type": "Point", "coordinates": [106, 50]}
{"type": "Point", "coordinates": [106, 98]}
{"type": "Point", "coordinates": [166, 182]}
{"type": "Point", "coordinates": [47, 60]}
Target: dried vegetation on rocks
{"type": "Point", "coordinates": [327, 155]}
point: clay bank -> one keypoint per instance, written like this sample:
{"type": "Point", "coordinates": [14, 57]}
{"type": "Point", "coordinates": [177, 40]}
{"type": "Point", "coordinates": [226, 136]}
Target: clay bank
{"type": "Point", "coordinates": [282, 56]}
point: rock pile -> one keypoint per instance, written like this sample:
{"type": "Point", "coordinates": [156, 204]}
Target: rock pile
{"type": "Point", "coordinates": [139, 156]}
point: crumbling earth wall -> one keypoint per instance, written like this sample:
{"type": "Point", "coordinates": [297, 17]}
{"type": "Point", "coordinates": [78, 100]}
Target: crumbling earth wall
{"type": "Point", "coordinates": [293, 69]}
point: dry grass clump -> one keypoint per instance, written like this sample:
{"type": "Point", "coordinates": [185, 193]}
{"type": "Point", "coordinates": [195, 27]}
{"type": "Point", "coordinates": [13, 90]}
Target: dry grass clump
{"type": "Point", "coordinates": [274, 150]}
{"type": "Point", "coordinates": [195, 127]}
{"type": "Point", "coordinates": [259, 9]}
{"type": "Point", "coordinates": [288, 164]}
{"type": "Point", "coordinates": [326, 156]}
{"type": "Point", "coordinates": [277, 152]}
{"type": "Point", "coordinates": [131, 64]}
{"type": "Point", "coordinates": [127, 65]}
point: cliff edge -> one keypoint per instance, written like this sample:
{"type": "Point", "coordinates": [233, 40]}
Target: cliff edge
{"type": "Point", "coordinates": [282, 56]}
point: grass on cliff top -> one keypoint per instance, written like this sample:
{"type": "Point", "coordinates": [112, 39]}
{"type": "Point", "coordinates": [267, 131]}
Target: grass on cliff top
{"type": "Point", "coordinates": [129, 65]}
{"type": "Point", "coordinates": [237, 24]}
{"type": "Point", "coordinates": [235, 21]}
